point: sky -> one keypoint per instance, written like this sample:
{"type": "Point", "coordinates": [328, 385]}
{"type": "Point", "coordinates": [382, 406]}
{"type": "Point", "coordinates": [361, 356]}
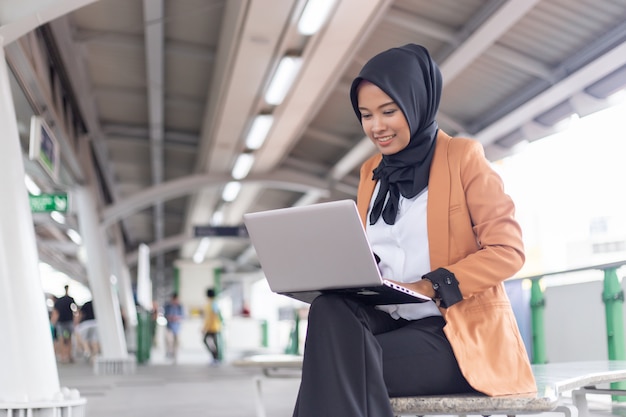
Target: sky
{"type": "Point", "coordinates": [561, 182]}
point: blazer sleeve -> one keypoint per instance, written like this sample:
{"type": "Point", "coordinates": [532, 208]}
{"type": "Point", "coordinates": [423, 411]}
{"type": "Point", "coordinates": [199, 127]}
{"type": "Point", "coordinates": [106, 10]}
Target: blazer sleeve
{"type": "Point", "coordinates": [486, 238]}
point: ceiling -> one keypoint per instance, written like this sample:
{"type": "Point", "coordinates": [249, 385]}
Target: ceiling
{"type": "Point", "coordinates": [157, 98]}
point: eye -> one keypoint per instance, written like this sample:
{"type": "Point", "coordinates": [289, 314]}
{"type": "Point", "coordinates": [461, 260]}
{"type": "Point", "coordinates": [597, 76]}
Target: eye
{"type": "Point", "coordinates": [389, 112]}
{"type": "Point", "coordinates": [365, 115]}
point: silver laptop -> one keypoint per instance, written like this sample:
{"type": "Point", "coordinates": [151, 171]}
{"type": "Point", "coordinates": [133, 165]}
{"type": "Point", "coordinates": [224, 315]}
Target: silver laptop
{"type": "Point", "coordinates": [309, 250]}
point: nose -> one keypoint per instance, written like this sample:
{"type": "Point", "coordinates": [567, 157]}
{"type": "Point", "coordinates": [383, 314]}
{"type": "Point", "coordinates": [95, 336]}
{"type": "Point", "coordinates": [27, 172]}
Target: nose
{"type": "Point", "coordinates": [378, 124]}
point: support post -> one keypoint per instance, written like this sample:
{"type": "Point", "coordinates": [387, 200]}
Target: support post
{"type": "Point", "coordinates": [293, 347]}
{"type": "Point", "coordinates": [537, 306]}
{"type": "Point", "coordinates": [29, 375]}
{"type": "Point", "coordinates": [114, 357]}
{"type": "Point", "coordinates": [613, 298]}
{"type": "Point", "coordinates": [217, 286]}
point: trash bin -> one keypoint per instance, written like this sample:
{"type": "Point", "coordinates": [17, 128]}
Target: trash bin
{"type": "Point", "coordinates": [144, 336]}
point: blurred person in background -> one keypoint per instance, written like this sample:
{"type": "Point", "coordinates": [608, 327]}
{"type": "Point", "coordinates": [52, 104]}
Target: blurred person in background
{"type": "Point", "coordinates": [174, 314]}
{"type": "Point", "coordinates": [212, 326]}
{"type": "Point", "coordinates": [87, 331]}
{"type": "Point", "coordinates": [63, 320]}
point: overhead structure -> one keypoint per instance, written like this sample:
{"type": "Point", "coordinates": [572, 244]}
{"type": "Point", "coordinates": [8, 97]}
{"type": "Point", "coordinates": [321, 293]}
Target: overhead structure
{"type": "Point", "coordinates": [187, 114]}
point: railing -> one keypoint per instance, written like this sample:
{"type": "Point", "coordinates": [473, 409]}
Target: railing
{"type": "Point", "coordinates": [613, 299]}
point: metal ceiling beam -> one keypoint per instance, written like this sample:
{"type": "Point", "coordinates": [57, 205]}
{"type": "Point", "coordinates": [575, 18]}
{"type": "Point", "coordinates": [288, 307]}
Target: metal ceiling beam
{"type": "Point", "coordinates": [326, 137]}
{"type": "Point", "coordinates": [17, 18]}
{"type": "Point", "coordinates": [522, 62]}
{"type": "Point", "coordinates": [139, 94]}
{"type": "Point", "coordinates": [355, 157]}
{"type": "Point", "coordinates": [160, 246]}
{"type": "Point", "coordinates": [137, 42]}
{"type": "Point", "coordinates": [72, 55]}
{"type": "Point", "coordinates": [247, 52]}
{"type": "Point", "coordinates": [239, 81]}
{"type": "Point", "coordinates": [281, 179]}
{"type": "Point", "coordinates": [153, 26]}
{"type": "Point", "coordinates": [599, 47]}
{"type": "Point", "coordinates": [183, 140]}
{"type": "Point", "coordinates": [460, 128]}
{"type": "Point", "coordinates": [574, 83]}
{"type": "Point", "coordinates": [484, 37]}
{"type": "Point", "coordinates": [23, 66]}
{"type": "Point", "coordinates": [420, 25]}
{"type": "Point", "coordinates": [325, 59]}
{"type": "Point", "coordinates": [338, 43]}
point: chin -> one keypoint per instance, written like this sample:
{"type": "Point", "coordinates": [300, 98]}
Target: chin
{"type": "Point", "coordinates": [388, 150]}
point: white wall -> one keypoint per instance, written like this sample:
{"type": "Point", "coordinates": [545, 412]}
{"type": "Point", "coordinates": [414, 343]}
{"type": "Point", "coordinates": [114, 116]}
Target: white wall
{"type": "Point", "coordinates": [194, 280]}
{"type": "Point", "coordinates": [575, 322]}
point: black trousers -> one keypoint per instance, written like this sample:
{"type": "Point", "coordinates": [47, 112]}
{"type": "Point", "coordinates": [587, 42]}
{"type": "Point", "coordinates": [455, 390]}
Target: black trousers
{"type": "Point", "coordinates": [356, 357]}
{"type": "Point", "coordinates": [210, 341]}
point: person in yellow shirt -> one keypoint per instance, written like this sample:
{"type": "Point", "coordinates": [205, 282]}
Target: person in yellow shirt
{"type": "Point", "coordinates": [212, 326]}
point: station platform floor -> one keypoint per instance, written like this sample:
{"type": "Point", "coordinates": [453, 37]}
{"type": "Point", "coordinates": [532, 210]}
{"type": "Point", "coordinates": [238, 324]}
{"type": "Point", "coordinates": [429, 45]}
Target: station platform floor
{"type": "Point", "coordinates": [193, 387]}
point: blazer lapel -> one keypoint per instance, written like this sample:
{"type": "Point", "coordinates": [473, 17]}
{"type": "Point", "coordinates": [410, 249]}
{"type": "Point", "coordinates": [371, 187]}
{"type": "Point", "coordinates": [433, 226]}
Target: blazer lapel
{"type": "Point", "coordinates": [439, 203]}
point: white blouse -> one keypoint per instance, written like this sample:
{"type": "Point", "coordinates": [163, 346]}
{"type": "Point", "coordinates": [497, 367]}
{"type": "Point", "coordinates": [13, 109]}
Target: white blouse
{"type": "Point", "coordinates": [403, 250]}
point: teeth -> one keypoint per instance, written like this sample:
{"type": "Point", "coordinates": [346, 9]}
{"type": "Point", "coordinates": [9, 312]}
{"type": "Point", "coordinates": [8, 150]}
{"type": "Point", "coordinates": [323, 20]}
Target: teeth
{"type": "Point", "coordinates": [384, 138]}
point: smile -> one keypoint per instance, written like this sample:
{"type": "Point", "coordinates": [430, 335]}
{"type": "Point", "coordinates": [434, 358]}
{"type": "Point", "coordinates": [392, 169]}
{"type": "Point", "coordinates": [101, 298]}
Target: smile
{"type": "Point", "coordinates": [384, 139]}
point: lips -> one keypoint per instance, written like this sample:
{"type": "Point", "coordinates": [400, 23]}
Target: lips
{"type": "Point", "coordinates": [384, 140]}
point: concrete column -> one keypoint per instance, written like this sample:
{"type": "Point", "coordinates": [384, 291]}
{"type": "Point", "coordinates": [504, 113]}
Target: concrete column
{"type": "Point", "coordinates": [105, 301]}
{"type": "Point", "coordinates": [27, 362]}
{"type": "Point", "coordinates": [127, 300]}
{"type": "Point", "coordinates": [144, 284]}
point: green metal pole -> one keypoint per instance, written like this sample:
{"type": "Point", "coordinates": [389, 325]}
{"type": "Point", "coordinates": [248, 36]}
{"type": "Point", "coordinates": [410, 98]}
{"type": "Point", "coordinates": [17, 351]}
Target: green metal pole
{"type": "Point", "coordinates": [265, 342]}
{"type": "Point", "coordinates": [537, 306]}
{"type": "Point", "coordinates": [613, 298]}
{"type": "Point", "coordinates": [293, 346]}
{"type": "Point", "coordinates": [217, 280]}
{"type": "Point", "coordinates": [176, 280]}
{"type": "Point", "coordinates": [217, 287]}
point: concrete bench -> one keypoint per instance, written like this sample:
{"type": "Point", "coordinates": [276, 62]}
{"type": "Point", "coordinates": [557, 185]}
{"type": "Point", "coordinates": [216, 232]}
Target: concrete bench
{"type": "Point", "coordinates": [553, 382]}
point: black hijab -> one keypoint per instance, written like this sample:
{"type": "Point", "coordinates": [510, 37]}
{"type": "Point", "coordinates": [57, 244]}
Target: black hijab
{"type": "Point", "coordinates": [412, 79]}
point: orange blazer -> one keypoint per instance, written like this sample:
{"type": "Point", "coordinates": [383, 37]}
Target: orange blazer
{"type": "Point", "coordinates": [472, 233]}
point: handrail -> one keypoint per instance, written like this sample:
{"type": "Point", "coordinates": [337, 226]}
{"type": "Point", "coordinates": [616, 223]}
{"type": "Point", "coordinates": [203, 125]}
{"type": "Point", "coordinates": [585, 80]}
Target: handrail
{"type": "Point", "coordinates": [586, 268]}
{"type": "Point", "coordinates": [612, 297]}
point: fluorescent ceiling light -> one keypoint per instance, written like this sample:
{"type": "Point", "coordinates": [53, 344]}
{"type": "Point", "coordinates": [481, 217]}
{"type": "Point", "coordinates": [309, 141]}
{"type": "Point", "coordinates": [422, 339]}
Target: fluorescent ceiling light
{"type": "Point", "coordinates": [200, 253]}
{"type": "Point", "coordinates": [217, 218]}
{"type": "Point", "coordinates": [284, 76]}
{"type": "Point", "coordinates": [314, 16]}
{"type": "Point", "coordinates": [231, 191]}
{"type": "Point", "coordinates": [242, 167]}
{"type": "Point", "coordinates": [31, 186]}
{"type": "Point", "coordinates": [258, 131]}
{"type": "Point", "coordinates": [57, 217]}
{"type": "Point", "coordinates": [74, 235]}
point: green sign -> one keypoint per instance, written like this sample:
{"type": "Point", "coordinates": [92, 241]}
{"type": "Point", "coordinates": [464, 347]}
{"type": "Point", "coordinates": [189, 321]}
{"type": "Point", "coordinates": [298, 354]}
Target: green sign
{"type": "Point", "coordinates": [45, 203]}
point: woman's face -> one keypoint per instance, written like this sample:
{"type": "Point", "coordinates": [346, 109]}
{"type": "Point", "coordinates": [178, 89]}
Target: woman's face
{"type": "Point", "coordinates": [382, 120]}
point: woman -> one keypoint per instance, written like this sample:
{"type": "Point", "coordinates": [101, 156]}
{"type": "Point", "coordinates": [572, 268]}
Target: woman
{"type": "Point", "coordinates": [212, 326]}
{"type": "Point", "coordinates": [439, 221]}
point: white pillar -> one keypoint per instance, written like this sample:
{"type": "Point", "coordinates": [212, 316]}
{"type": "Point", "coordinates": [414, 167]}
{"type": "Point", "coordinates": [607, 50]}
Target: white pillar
{"type": "Point", "coordinates": [105, 302]}
{"type": "Point", "coordinates": [27, 362]}
{"type": "Point", "coordinates": [144, 284]}
{"type": "Point", "coordinates": [126, 295]}
{"type": "Point", "coordinates": [124, 285]}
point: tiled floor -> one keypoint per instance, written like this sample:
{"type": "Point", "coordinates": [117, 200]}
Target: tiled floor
{"type": "Point", "coordinates": [182, 390]}
{"type": "Point", "coordinates": [193, 388]}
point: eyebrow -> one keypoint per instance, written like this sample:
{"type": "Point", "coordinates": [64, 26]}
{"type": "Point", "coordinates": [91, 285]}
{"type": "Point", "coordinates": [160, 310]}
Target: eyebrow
{"type": "Point", "coordinates": [381, 106]}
